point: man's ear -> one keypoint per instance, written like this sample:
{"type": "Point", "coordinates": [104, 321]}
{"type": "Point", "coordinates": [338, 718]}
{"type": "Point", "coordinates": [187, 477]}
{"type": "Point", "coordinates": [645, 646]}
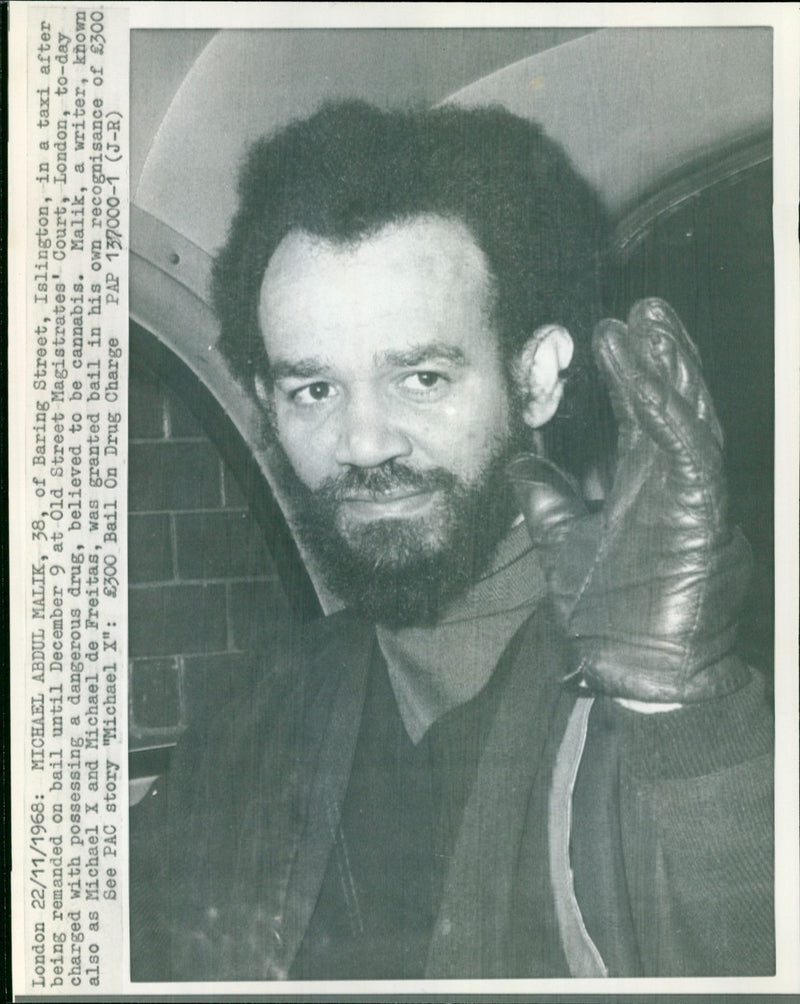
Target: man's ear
{"type": "Point", "coordinates": [547, 353]}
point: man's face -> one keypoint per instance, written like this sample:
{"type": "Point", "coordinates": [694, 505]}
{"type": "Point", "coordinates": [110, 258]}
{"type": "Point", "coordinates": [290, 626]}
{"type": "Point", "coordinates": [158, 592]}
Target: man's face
{"type": "Point", "coordinates": [391, 404]}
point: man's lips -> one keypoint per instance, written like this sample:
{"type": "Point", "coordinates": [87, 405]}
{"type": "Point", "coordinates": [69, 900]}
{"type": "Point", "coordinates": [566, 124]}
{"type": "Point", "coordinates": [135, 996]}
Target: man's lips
{"type": "Point", "coordinates": [387, 505]}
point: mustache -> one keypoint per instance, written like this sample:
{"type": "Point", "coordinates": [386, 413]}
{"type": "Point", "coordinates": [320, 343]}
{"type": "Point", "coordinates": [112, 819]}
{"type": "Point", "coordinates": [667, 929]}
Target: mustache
{"type": "Point", "coordinates": [386, 479]}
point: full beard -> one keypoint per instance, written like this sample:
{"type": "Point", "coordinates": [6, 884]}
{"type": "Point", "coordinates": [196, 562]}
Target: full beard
{"type": "Point", "coordinates": [399, 571]}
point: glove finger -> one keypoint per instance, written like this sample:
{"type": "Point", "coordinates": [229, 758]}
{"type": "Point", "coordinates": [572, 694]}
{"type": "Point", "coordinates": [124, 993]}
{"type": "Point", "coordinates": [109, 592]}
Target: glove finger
{"type": "Point", "coordinates": [656, 335]}
{"type": "Point", "coordinates": [613, 358]}
{"type": "Point", "coordinates": [549, 499]}
{"type": "Point", "coordinates": [642, 396]}
{"type": "Point", "coordinates": [660, 335]}
{"type": "Point", "coordinates": [671, 422]}
{"type": "Point", "coordinates": [658, 311]}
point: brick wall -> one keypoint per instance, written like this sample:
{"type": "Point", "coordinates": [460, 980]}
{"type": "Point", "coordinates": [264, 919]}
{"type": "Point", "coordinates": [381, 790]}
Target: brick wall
{"type": "Point", "coordinates": [205, 602]}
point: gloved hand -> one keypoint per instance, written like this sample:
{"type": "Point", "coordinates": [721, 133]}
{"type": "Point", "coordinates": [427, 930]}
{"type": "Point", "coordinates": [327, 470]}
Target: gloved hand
{"type": "Point", "coordinates": [651, 587]}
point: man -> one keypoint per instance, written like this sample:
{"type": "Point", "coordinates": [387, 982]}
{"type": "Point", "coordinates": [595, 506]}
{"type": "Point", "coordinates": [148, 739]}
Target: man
{"type": "Point", "coordinates": [527, 747]}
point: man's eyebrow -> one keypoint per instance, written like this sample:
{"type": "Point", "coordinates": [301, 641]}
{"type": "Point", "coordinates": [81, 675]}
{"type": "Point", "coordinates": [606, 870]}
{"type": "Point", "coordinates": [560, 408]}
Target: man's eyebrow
{"type": "Point", "coordinates": [311, 366]}
{"type": "Point", "coordinates": [417, 354]}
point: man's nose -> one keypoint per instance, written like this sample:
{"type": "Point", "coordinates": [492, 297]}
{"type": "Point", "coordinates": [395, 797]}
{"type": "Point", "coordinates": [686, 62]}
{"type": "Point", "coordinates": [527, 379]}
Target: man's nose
{"type": "Point", "coordinates": [368, 435]}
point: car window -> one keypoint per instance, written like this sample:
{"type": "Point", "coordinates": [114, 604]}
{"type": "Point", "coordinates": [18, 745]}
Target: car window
{"type": "Point", "coordinates": [704, 243]}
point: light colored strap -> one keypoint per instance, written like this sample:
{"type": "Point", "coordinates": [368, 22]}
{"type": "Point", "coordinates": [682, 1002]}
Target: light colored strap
{"type": "Point", "coordinates": [582, 955]}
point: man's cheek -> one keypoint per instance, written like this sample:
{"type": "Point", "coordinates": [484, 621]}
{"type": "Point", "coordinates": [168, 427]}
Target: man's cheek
{"type": "Point", "coordinates": [304, 450]}
{"type": "Point", "coordinates": [475, 452]}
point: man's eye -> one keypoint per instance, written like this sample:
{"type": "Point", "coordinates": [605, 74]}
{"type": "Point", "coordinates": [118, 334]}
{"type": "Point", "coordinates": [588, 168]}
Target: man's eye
{"type": "Point", "coordinates": [424, 381]}
{"type": "Point", "coordinates": [312, 393]}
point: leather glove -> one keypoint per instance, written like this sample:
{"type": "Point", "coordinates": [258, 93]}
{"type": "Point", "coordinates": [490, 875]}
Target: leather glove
{"type": "Point", "coordinates": [650, 588]}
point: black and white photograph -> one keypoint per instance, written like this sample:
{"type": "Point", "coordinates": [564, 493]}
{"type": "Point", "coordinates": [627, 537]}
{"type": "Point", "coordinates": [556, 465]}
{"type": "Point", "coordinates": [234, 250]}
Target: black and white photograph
{"type": "Point", "coordinates": [449, 459]}
{"type": "Point", "coordinates": [531, 743]}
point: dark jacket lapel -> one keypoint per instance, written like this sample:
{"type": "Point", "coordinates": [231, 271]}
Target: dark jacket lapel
{"type": "Point", "coordinates": [473, 934]}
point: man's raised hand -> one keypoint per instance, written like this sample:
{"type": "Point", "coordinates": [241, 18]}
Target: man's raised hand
{"type": "Point", "coordinates": [650, 588]}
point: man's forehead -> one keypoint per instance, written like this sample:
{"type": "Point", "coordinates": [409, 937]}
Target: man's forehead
{"type": "Point", "coordinates": [440, 248]}
{"type": "Point", "coordinates": [417, 281]}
